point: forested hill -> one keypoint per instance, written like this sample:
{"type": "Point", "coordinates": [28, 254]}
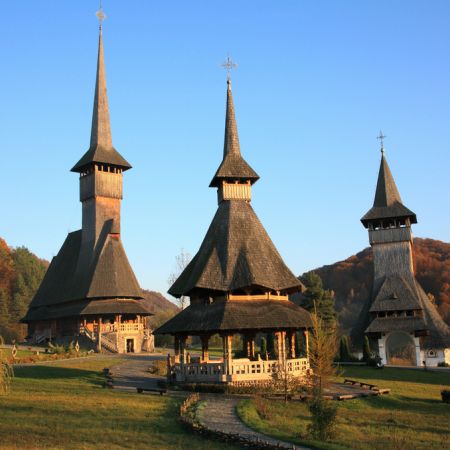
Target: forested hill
{"type": "Point", "coordinates": [351, 280]}
{"type": "Point", "coordinates": [21, 273]}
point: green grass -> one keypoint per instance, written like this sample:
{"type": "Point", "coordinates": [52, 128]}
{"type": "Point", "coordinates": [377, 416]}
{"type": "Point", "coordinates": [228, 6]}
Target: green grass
{"type": "Point", "coordinates": [66, 406]}
{"type": "Point", "coordinates": [411, 417]}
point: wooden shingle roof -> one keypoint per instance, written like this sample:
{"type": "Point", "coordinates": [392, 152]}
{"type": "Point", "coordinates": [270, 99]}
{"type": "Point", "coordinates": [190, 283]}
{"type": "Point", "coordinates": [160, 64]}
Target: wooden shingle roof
{"type": "Point", "coordinates": [262, 315]}
{"type": "Point", "coordinates": [77, 273]}
{"type": "Point", "coordinates": [233, 165]}
{"type": "Point", "coordinates": [101, 149]}
{"type": "Point", "coordinates": [387, 203]}
{"type": "Point", "coordinates": [236, 253]}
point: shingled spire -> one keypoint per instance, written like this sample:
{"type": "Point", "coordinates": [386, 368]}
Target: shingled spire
{"type": "Point", "coordinates": [101, 149]}
{"type": "Point", "coordinates": [233, 166]}
{"type": "Point", "coordinates": [101, 126]}
{"type": "Point", "coordinates": [387, 203]}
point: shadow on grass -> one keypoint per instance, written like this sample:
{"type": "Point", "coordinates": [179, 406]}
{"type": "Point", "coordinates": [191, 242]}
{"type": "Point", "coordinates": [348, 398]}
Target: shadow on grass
{"type": "Point", "coordinates": [53, 373]}
{"type": "Point", "coordinates": [395, 374]}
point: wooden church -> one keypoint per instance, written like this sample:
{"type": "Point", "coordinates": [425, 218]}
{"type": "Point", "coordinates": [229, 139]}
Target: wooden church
{"type": "Point", "coordinates": [90, 292]}
{"type": "Point", "coordinates": [403, 322]}
{"type": "Point", "coordinates": [238, 284]}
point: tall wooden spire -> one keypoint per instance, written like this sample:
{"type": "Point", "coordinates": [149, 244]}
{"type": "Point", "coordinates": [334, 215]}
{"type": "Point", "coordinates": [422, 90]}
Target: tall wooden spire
{"type": "Point", "coordinates": [233, 167]}
{"type": "Point", "coordinates": [101, 127]}
{"type": "Point", "coordinates": [101, 149]}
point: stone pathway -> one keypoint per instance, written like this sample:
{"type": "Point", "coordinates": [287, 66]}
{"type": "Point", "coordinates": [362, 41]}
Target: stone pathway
{"type": "Point", "coordinates": [219, 414]}
{"type": "Point", "coordinates": [133, 372]}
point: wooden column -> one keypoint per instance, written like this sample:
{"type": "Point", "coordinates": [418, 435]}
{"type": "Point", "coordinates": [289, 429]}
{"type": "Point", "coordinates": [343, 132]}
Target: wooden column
{"type": "Point", "coordinates": [291, 340]}
{"type": "Point", "coordinates": [250, 338]}
{"type": "Point", "coordinates": [281, 345]}
{"type": "Point", "coordinates": [176, 347]}
{"type": "Point", "coordinates": [205, 349]}
{"type": "Point", "coordinates": [306, 334]}
{"type": "Point", "coordinates": [183, 350]}
{"type": "Point", "coordinates": [99, 344]}
{"type": "Point", "coordinates": [227, 353]}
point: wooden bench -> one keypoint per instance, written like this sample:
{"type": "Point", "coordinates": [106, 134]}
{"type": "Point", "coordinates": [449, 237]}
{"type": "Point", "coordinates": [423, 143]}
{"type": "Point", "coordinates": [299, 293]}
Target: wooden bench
{"type": "Point", "coordinates": [159, 390]}
{"type": "Point", "coordinates": [360, 383]}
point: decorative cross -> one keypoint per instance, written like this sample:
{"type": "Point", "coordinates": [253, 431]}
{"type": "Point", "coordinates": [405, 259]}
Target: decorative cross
{"type": "Point", "coordinates": [381, 137]}
{"type": "Point", "coordinates": [229, 65]}
{"type": "Point", "coordinates": [100, 14]}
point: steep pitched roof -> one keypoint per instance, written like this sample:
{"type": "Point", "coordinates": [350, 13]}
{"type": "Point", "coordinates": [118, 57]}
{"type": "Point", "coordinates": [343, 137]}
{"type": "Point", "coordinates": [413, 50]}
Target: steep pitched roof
{"type": "Point", "coordinates": [387, 202]}
{"type": "Point", "coordinates": [101, 149]}
{"type": "Point", "coordinates": [107, 274]}
{"type": "Point", "coordinates": [233, 165]}
{"type": "Point", "coordinates": [236, 253]}
{"type": "Point", "coordinates": [398, 293]}
{"type": "Point", "coordinates": [238, 315]}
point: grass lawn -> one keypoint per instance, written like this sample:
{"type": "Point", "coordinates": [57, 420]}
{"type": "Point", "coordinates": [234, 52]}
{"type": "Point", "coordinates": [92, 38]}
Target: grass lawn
{"type": "Point", "coordinates": [411, 417]}
{"type": "Point", "coordinates": [65, 406]}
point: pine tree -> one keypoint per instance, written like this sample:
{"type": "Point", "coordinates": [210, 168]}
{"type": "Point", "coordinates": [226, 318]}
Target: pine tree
{"type": "Point", "coordinates": [270, 345]}
{"type": "Point", "coordinates": [344, 350]}
{"type": "Point", "coordinates": [366, 349]}
{"type": "Point", "coordinates": [263, 347]}
{"type": "Point", "coordinates": [323, 299]}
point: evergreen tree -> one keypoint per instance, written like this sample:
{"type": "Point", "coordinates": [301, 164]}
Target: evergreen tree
{"type": "Point", "coordinates": [366, 349]}
{"type": "Point", "coordinates": [323, 299]}
{"type": "Point", "coordinates": [344, 350]}
{"type": "Point", "coordinates": [270, 345]}
{"type": "Point", "coordinates": [263, 347]}
{"type": "Point", "coordinates": [4, 313]}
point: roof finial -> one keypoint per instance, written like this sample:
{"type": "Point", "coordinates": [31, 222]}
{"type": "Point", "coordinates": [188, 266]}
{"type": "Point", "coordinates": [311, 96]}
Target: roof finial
{"type": "Point", "coordinates": [100, 15]}
{"type": "Point", "coordinates": [381, 137]}
{"type": "Point", "coordinates": [229, 65]}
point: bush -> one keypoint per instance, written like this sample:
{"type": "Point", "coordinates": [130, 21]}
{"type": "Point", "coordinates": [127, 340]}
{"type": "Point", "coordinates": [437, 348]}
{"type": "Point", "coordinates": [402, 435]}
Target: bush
{"type": "Point", "coordinates": [443, 364]}
{"type": "Point", "coordinates": [158, 367]}
{"type": "Point", "coordinates": [445, 394]}
{"type": "Point", "coordinates": [323, 418]}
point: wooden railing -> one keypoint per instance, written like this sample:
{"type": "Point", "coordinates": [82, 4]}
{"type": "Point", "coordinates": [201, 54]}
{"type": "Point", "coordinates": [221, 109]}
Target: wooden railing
{"type": "Point", "coordinates": [239, 370]}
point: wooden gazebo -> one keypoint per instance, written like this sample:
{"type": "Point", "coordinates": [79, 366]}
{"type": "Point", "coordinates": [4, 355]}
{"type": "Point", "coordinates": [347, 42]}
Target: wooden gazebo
{"type": "Point", "coordinates": [237, 284]}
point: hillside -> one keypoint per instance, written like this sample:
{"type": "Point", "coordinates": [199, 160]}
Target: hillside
{"type": "Point", "coordinates": [351, 280]}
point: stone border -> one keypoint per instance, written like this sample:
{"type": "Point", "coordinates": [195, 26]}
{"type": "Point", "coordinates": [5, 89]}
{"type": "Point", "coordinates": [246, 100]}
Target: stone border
{"type": "Point", "coordinates": [194, 425]}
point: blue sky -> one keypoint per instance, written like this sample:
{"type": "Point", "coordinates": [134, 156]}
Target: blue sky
{"type": "Point", "coordinates": [316, 82]}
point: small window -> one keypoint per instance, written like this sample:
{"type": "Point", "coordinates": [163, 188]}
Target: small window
{"type": "Point", "coordinates": [431, 354]}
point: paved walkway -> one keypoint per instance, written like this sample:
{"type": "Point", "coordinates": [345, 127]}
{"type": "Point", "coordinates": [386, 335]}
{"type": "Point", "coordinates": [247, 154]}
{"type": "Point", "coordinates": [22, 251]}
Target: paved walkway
{"type": "Point", "coordinates": [133, 372]}
{"type": "Point", "coordinates": [219, 414]}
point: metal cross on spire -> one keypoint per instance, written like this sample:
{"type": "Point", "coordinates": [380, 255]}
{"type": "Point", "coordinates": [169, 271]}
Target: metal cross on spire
{"type": "Point", "coordinates": [229, 65]}
{"type": "Point", "coordinates": [100, 15]}
{"type": "Point", "coordinates": [381, 137]}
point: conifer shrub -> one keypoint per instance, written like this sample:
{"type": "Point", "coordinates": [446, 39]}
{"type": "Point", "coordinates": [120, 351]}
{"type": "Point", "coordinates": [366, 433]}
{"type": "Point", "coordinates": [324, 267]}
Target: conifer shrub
{"type": "Point", "coordinates": [445, 394]}
{"type": "Point", "coordinates": [323, 417]}
{"type": "Point", "coordinates": [367, 353]}
{"type": "Point", "coordinates": [263, 347]}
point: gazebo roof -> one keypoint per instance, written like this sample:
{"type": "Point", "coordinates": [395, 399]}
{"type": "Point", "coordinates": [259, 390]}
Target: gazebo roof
{"type": "Point", "coordinates": [237, 315]}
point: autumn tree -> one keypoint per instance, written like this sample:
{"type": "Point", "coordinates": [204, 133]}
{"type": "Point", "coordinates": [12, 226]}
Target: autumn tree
{"type": "Point", "coordinates": [323, 346]}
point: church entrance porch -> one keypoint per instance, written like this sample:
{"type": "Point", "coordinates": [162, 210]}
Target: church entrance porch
{"type": "Point", "coordinates": [400, 349]}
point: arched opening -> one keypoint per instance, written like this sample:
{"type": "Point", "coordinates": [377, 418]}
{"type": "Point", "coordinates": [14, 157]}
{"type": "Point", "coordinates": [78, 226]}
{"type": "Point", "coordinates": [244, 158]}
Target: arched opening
{"type": "Point", "coordinates": [400, 349]}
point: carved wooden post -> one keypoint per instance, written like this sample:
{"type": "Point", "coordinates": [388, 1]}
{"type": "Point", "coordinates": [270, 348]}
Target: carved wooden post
{"type": "Point", "coordinates": [227, 353]}
{"type": "Point", "coordinates": [205, 351]}
{"type": "Point", "coordinates": [176, 347]}
{"type": "Point", "coordinates": [250, 346]}
{"type": "Point", "coordinates": [99, 347]}
{"type": "Point", "coordinates": [291, 338]}
{"type": "Point", "coordinates": [306, 334]}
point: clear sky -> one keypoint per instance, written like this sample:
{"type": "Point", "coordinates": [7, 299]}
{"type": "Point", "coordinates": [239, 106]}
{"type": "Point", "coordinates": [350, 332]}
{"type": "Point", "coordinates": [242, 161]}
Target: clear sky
{"type": "Point", "coordinates": [316, 82]}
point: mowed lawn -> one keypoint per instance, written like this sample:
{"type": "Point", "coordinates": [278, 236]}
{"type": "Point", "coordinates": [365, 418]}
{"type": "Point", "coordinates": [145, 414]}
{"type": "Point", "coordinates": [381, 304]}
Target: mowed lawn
{"type": "Point", "coordinates": [411, 417]}
{"type": "Point", "coordinates": [65, 405]}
